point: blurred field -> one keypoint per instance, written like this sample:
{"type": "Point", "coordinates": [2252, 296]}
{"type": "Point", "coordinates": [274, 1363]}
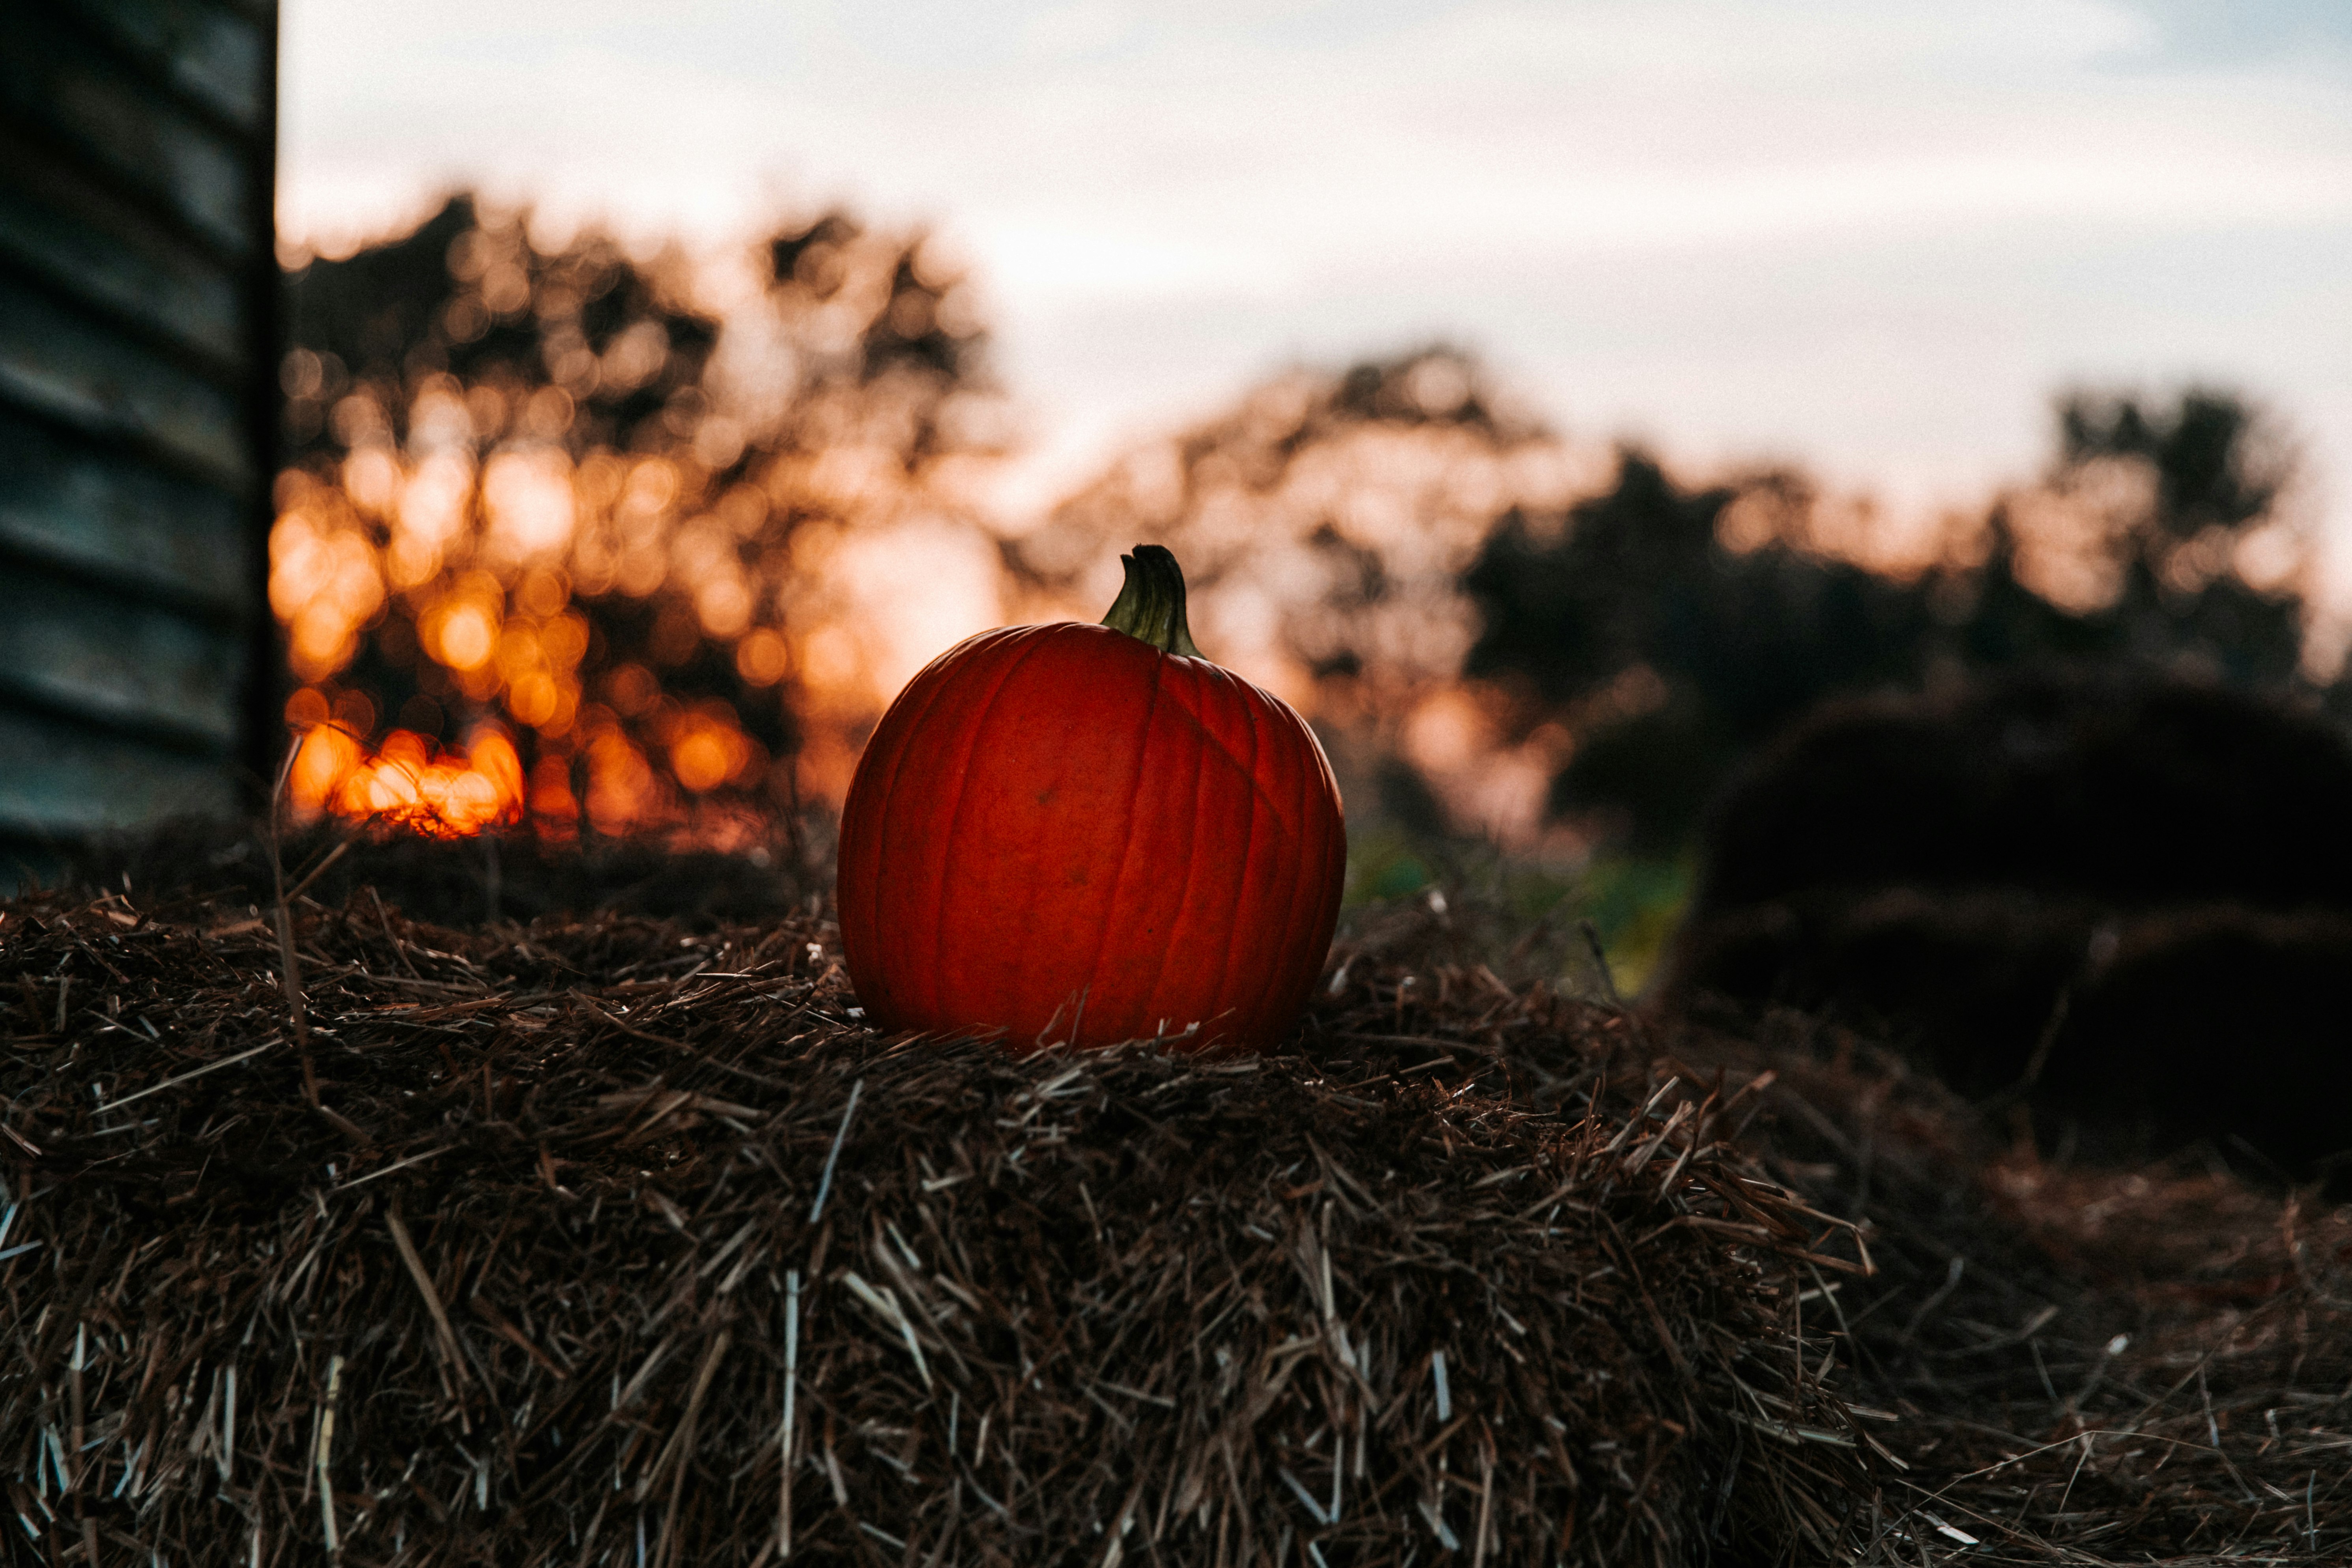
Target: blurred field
{"type": "Point", "coordinates": [590, 541]}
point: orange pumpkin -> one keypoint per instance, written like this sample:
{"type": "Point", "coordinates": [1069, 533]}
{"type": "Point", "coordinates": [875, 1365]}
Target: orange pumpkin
{"type": "Point", "coordinates": [1087, 833]}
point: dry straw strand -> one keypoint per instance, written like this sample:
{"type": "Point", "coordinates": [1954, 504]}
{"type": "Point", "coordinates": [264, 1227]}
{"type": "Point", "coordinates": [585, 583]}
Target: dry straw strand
{"type": "Point", "coordinates": [1529, 1289]}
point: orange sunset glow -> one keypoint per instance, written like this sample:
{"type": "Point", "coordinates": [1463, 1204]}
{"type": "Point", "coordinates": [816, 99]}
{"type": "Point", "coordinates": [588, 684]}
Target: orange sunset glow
{"type": "Point", "coordinates": [407, 781]}
{"type": "Point", "coordinates": [590, 546]}
{"type": "Point", "coordinates": [587, 559]}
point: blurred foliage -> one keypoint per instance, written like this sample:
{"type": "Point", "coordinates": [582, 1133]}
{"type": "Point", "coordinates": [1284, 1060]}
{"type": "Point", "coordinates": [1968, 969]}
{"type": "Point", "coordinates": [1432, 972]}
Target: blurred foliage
{"type": "Point", "coordinates": [548, 488]}
{"type": "Point", "coordinates": [1325, 522]}
{"type": "Point", "coordinates": [1501, 632]}
{"type": "Point", "coordinates": [1321, 522]}
{"type": "Point", "coordinates": [682, 542]}
{"type": "Point", "coordinates": [1534, 664]}
{"type": "Point", "coordinates": [1677, 628]}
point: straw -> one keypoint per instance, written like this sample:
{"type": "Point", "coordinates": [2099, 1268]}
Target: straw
{"type": "Point", "coordinates": [1470, 1266]}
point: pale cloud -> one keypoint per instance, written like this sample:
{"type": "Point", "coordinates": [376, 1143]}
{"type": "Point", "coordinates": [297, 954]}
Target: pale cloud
{"type": "Point", "coordinates": [1871, 236]}
{"type": "Point", "coordinates": [1562, 124]}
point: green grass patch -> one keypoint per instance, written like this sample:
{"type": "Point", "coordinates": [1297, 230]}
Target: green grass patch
{"type": "Point", "coordinates": [1632, 904]}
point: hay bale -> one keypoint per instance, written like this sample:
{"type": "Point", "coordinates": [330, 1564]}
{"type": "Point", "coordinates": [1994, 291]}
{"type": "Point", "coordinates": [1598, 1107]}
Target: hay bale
{"type": "Point", "coordinates": [2058, 888]}
{"type": "Point", "coordinates": [2089, 1365]}
{"type": "Point", "coordinates": [2126, 789]}
{"type": "Point", "coordinates": [608, 1241]}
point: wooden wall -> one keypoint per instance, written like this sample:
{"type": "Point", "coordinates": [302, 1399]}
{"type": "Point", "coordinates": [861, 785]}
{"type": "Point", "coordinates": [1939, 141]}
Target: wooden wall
{"type": "Point", "coordinates": [138, 365]}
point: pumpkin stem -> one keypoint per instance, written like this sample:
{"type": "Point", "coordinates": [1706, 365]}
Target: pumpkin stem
{"type": "Point", "coordinates": [1151, 604]}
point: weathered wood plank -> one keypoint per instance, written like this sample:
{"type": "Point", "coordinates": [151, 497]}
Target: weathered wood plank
{"type": "Point", "coordinates": [76, 649]}
{"type": "Point", "coordinates": [54, 79]}
{"type": "Point", "coordinates": [75, 243]}
{"type": "Point", "coordinates": [58, 361]}
{"type": "Point", "coordinates": [137, 281]}
{"type": "Point", "coordinates": [213, 55]}
{"type": "Point", "coordinates": [63, 781]}
{"type": "Point", "coordinates": [96, 514]}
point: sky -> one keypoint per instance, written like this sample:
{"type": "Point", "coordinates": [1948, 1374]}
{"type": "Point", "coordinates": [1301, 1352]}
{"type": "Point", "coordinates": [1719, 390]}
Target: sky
{"type": "Point", "coordinates": [1874, 238]}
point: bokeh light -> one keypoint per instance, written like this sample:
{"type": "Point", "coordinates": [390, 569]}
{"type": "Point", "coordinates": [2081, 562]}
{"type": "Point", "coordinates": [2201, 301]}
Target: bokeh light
{"type": "Point", "coordinates": [406, 781]}
{"type": "Point", "coordinates": [665, 559]}
{"type": "Point", "coordinates": [597, 544]}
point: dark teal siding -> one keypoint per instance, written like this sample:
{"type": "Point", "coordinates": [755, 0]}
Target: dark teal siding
{"type": "Point", "coordinates": [138, 362]}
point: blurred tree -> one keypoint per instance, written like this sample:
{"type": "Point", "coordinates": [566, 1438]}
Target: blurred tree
{"type": "Point", "coordinates": [1497, 628]}
{"type": "Point", "coordinates": [1324, 524]}
{"type": "Point", "coordinates": [1670, 653]}
{"type": "Point", "coordinates": [547, 487]}
{"type": "Point", "coordinates": [1321, 522]}
{"type": "Point", "coordinates": [472, 298]}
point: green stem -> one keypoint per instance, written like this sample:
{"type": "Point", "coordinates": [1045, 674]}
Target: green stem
{"type": "Point", "coordinates": [1150, 604]}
